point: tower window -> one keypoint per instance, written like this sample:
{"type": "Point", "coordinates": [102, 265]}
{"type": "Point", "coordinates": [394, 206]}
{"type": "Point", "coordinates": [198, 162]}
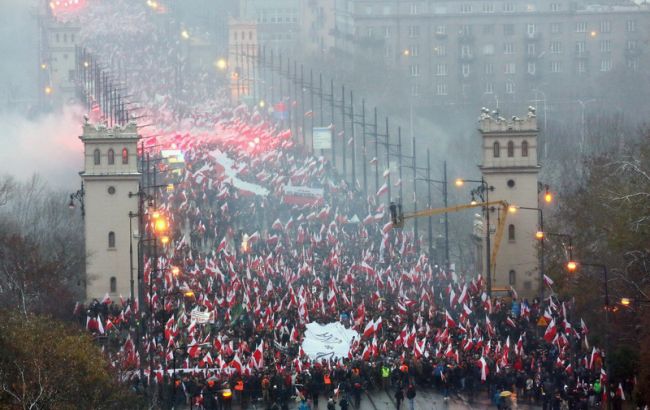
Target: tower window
{"type": "Point", "coordinates": [96, 157]}
{"type": "Point", "coordinates": [511, 232]}
{"type": "Point", "coordinates": [511, 183]}
{"type": "Point", "coordinates": [512, 277]}
{"type": "Point", "coordinates": [113, 284]}
{"type": "Point", "coordinates": [111, 239]}
{"type": "Point", "coordinates": [511, 149]}
{"type": "Point", "coordinates": [496, 148]}
{"type": "Point", "coordinates": [524, 149]}
{"type": "Point", "coordinates": [125, 156]}
{"type": "Point", "coordinates": [111, 157]}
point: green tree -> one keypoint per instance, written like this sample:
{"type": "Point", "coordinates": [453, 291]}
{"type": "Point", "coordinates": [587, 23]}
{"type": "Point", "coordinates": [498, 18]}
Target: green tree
{"type": "Point", "coordinates": [47, 364]}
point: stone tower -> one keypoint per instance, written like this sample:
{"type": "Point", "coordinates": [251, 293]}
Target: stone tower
{"type": "Point", "coordinates": [509, 164]}
{"type": "Point", "coordinates": [110, 173]}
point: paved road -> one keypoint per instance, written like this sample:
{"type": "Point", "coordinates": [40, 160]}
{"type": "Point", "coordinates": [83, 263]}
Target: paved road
{"type": "Point", "coordinates": [424, 400]}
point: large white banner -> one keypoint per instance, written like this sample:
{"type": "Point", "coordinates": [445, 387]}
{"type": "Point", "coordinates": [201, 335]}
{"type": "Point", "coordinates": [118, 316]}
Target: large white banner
{"type": "Point", "coordinates": [328, 341]}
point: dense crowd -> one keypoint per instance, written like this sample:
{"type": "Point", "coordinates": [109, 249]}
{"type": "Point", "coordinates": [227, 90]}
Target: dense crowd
{"type": "Point", "coordinates": [256, 264]}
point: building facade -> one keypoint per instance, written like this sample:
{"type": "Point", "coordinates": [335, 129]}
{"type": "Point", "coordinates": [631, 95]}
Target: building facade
{"type": "Point", "coordinates": [278, 22]}
{"type": "Point", "coordinates": [458, 51]}
{"type": "Point", "coordinates": [110, 174]}
{"type": "Point", "coordinates": [243, 46]}
{"type": "Point", "coordinates": [58, 64]}
{"type": "Point", "coordinates": [510, 166]}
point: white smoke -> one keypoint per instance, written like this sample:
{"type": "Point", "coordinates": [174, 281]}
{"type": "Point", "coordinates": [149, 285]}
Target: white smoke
{"type": "Point", "coordinates": [48, 146]}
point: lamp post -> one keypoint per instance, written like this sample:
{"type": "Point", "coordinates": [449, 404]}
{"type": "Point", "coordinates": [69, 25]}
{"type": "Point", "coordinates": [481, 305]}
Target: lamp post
{"type": "Point", "coordinates": [483, 192]}
{"type": "Point", "coordinates": [443, 183]}
{"type": "Point", "coordinates": [79, 197]}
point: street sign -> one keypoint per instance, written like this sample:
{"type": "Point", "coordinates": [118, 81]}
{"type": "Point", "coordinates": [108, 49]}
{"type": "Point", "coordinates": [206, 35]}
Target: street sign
{"type": "Point", "coordinates": [322, 137]}
{"type": "Point", "coordinates": [542, 322]}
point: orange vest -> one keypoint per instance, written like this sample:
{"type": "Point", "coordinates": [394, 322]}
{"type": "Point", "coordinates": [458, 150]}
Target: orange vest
{"type": "Point", "coordinates": [327, 379]}
{"type": "Point", "coordinates": [240, 385]}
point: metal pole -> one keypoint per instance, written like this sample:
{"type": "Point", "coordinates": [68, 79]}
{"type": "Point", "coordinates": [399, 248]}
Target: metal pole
{"type": "Point", "coordinates": [354, 141]}
{"type": "Point", "coordinates": [399, 161]}
{"type": "Point", "coordinates": [345, 167]}
{"type": "Point", "coordinates": [332, 118]}
{"type": "Point", "coordinates": [607, 345]}
{"type": "Point", "coordinates": [132, 288]}
{"type": "Point", "coordinates": [430, 219]}
{"type": "Point", "coordinates": [388, 158]}
{"type": "Point", "coordinates": [488, 258]}
{"type": "Point", "coordinates": [272, 80]}
{"type": "Point", "coordinates": [302, 105]}
{"type": "Point", "coordinates": [445, 196]}
{"type": "Point", "coordinates": [376, 153]}
{"type": "Point", "coordinates": [415, 193]}
{"type": "Point", "coordinates": [320, 108]}
{"type": "Point", "coordinates": [311, 106]}
{"type": "Point", "coordinates": [365, 154]}
{"type": "Point", "coordinates": [541, 257]}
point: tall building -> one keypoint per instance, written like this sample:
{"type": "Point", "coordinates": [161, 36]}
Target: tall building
{"type": "Point", "coordinates": [243, 47]}
{"type": "Point", "coordinates": [110, 174]}
{"type": "Point", "coordinates": [277, 22]}
{"type": "Point", "coordinates": [500, 50]}
{"type": "Point", "coordinates": [510, 166]}
{"type": "Point", "coordinates": [57, 53]}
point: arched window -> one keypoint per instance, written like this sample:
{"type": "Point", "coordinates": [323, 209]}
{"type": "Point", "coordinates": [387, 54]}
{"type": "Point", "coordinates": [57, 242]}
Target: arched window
{"type": "Point", "coordinates": [524, 149]}
{"type": "Point", "coordinates": [96, 157]}
{"type": "Point", "coordinates": [496, 148]}
{"type": "Point", "coordinates": [512, 277]}
{"type": "Point", "coordinates": [511, 149]}
{"type": "Point", "coordinates": [111, 157]}
{"type": "Point", "coordinates": [511, 232]}
{"type": "Point", "coordinates": [111, 239]}
{"type": "Point", "coordinates": [125, 156]}
{"type": "Point", "coordinates": [113, 284]}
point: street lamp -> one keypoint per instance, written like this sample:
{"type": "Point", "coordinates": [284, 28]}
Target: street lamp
{"type": "Point", "coordinates": [483, 192]}
{"type": "Point", "coordinates": [79, 197]}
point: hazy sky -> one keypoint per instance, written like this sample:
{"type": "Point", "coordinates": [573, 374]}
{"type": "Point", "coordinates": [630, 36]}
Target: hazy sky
{"type": "Point", "coordinates": [47, 145]}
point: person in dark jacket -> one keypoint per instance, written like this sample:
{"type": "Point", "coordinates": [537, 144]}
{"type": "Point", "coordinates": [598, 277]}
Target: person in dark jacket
{"type": "Point", "coordinates": [410, 395]}
{"type": "Point", "coordinates": [399, 397]}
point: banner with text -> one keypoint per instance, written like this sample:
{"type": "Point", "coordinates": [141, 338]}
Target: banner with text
{"type": "Point", "coordinates": [329, 341]}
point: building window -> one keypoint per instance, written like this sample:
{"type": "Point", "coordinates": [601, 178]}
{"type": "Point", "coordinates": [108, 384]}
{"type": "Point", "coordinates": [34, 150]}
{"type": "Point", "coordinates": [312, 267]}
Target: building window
{"type": "Point", "coordinates": [111, 157]}
{"type": "Point", "coordinates": [633, 64]}
{"type": "Point", "coordinates": [581, 27]}
{"type": "Point", "coordinates": [414, 31]}
{"type": "Point", "coordinates": [465, 70]}
{"type": "Point", "coordinates": [96, 157]}
{"type": "Point", "coordinates": [414, 51]}
{"type": "Point", "coordinates": [581, 67]}
{"type": "Point", "coordinates": [441, 89]}
{"type": "Point", "coordinates": [415, 70]}
{"type": "Point", "coordinates": [511, 149]}
{"type": "Point", "coordinates": [581, 47]}
{"type": "Point", "coordinates": [606, 65]}
{"type": "Point", "coordinates": [605, 46]}
{"type": "Point", "coordinates": [530, 49]}
{"type": "Point", "coordinates": [441, 70]}
{"type": "Point", "coordinates": [441, 29]}
{"type": "Point", "coordinates": [510, 68]}
{"type": "Point", "coordinates": [556, 28]}
{"type": "Point", "coordinates": [415, 90]}
{"type": "Point", "coordinates": [556, 47]}
{"type": "Point", "coordinates": [113, 284]}
{"type": "Point", "coordinates": [466, 51]}
{"type": "Point", "coordinates": [440, 50]}
{"type": "Point", "coordinates": [387, 31]}
{"type": "Point", "coordinates": [125, 156]}
{"type": "Point", "coordinates": [511, 232]}
{"type": "Point", "coordinates": [631, 45]}
{"type": "Point", "coordinates": [508, 48]}
{"type": "Point", "coordinates": [488, 68]}
{"type": "Point", "coordinates": [488, 8]}
{"type": "Point", "coordinates": [532, 67]}
{"type": "Point", "coordinates": [489, 88]}
{"type": "Point", "coordinates": [512, 277]}
{"type": "Point", "coordinates": [630, 26]}
{"type": "Point", "coordinates": [556, 67]}
{"type": "Point", "coordinates": [488, 49]}
{"type": "Point", "coordinates": [524, 149]}
{"type": "Point", "coordinates": [488, 29]}
{"type": "Point", "coordinates": [530, 29]}
{"type": "Point", "coordinates": [605, 26]}
{"type": "Point", "coordinates": [414, 8]}
{"type": "Point", "coordinates": [465, 8]}
{"type": "Point", "coordinates": [556, 7]}
{"type": "Point", "coordinates": [508, 7]}
{"type": "Point", "coordinates": [111, 239]}
{"type": "Point", "coordinates": [496, 149]}
{"type": "Point", "coordinates": [510, 87]}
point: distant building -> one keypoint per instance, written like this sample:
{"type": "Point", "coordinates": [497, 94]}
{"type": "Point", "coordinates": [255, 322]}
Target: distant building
{"type": "Point", "coordinates": [58, 60]}
{"type": "Point", "coordinates": [110, 173]}
{"type": "Point", "coordinates": [461, 51]}
{"type": "Point", "coordinates": [510, 166]}
{"type": "Point", "coordinates": [243, 47]}
{"type": "Point", "coordinates": [278, 22]}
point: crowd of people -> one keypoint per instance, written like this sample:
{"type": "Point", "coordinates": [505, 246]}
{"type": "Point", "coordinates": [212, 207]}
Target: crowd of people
{"type": "Point", "coordinates": [252, 262]}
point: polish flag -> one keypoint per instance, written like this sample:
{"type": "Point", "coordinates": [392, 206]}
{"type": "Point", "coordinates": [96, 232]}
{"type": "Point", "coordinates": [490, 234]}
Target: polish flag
{"type": "Point", "coordinates": [550, 332]}
{"type": "Point", "coordinates": [382, 190]}
{"type": "Point", "coordinates": [484, 369]}
{"type": "Point", "coordinates": [369, 329]}
{"type": "Point", "coordinates": [449, 321]}
{"type": "Point", "coordinates": [548, 281]}
{"type": "Point", "coordinates": [222, 245]}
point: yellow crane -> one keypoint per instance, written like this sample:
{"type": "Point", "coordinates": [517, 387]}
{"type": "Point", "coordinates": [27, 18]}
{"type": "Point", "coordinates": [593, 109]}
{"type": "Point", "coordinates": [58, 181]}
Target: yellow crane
{"type": "Point", "coordinates": [398, 217]}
